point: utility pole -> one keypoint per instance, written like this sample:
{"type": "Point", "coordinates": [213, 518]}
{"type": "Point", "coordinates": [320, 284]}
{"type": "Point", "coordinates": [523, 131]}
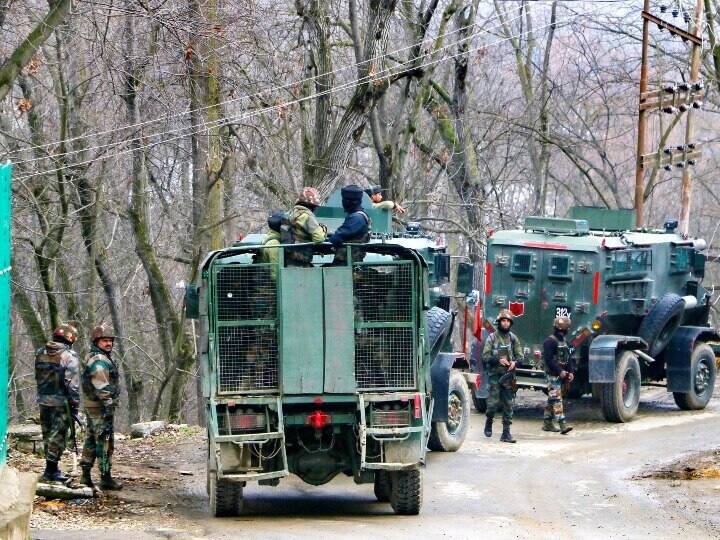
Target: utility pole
{"type": "Point", "coordinates": [672, 99]}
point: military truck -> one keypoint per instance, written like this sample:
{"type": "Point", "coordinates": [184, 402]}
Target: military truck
{"type": "Point", "coordinates": [326, 368]}
{"type": "Point", "coordinates": [639, 311]}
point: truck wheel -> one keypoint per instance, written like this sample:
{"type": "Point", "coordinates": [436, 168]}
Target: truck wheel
{"type": "Point", "coordinates": [703, 371]}
{"type": "Point", "coordinates": [449, 436]}
{"type": "Point", "coordinates": [439, 322]}
{"type": "Point", "coordinates": [406, 493]}
{"type": "Point", "coordinates": [620, 399]}
{"type": "Point", "coordinates": [226, 497]}
{"type": "Point", "coordinates": [658, 326]}
{"type": "Point", "coordinates": [480, 404]}
{"type": "Point", "coordinates": [382, 486]}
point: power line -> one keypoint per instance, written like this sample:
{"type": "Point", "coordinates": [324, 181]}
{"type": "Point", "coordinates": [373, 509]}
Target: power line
{"type": "Point", "coordinates": [234, 119]}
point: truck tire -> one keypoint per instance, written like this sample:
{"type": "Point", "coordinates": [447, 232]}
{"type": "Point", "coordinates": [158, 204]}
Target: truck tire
{"type": "Point", "coordinates": [382, 486]}
{"type": "Point", "coordinates": [439, 322]}
{"type": "Point", "coordinates": [658, 326]}
{"type": "Point", "coordinates": [703, 371]}
{"type": "Point", "coordinates": [449, 436]}
{"type": "Point", "coordinates": [226, 497]}
{"type": "Point", "coordinates": [480, 404]}
{"type": "Point", "coordinates": [620, 399]}
{"type": "Point", "coordinates": [406, 493]}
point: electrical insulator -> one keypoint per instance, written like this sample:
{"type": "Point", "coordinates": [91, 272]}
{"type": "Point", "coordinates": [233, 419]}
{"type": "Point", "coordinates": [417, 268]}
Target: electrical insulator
{"type": "Point", "coordinates": [683, 107]}
{"type": "Point", "coordinates": [675, 12]}
{"type": "Point", "coordinates": [684, 87]}
{"type": "Point", "coordinates": [691, 146]}
{"type": "Point", "coordinates": [680, 164]}
{"type": "Point", "coordinates": [663, 9]}
{"type": "Point", "coordinates": [667, 151]}
{"type": "Point", "coordinates": [697, 104]}
{"type": "Point", "coordinates": [668, 167]}
{"type": "Point", "coordinates": [684, 39]}
{"type": "Point", "coordinates": [669, 89]}
{"type": "Point", "coordinates": [669, 110]}
{"type": "Point", "coordinates": [686, 16]}
{"type": "Point", "coordinates": [680, 148]}
{"type": "Point", "coordinates": [698, 86]}
{"type": "Point", "coordinates": [691, 162]}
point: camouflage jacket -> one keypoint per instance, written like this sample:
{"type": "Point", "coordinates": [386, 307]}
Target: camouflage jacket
{"type": "Point", "coordinates": [57, 373]}
{"type": "Point", "coordinates": [100, 380]}
{"type": "Point", "coordinates": [305, 225]}
{"type": "Point", "coordinates": [497, 345]}
{"type": "Point", "coordinates": [269, 253]}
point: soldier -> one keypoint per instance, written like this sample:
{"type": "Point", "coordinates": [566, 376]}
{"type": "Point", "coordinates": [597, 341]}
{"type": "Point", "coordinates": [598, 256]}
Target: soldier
{"type": "Point", "coordinates": [500, 355]}
{"type": "Point", "coordinates": [556, 362]}
{"type": "Point", "coordinates": [101, 389]}
{"type": "Point", "coordinates": [376, 196]}
{"type": "Point", "coordinates": [269, 253]}
{"type": "Point", "coordinates": [355, 228]}
{"type": "Point", "coordinates": [57, 373]}
{"type": "Point", "coordinates": [302, 226]}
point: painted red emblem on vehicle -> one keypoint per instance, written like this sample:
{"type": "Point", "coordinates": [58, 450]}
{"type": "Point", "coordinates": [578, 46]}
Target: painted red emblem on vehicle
{"type": "Point", "coordinates": [517, 308]}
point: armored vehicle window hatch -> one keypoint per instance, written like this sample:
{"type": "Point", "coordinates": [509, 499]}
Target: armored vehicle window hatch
{"type": "Point", "coordinates": [631, 261]}
{"type": "Point", "coordinates": [522, 265]}
{"type": "Point", "coordinates": [680, 259]}
{"type": "Point", "coordinates": [559, 268]}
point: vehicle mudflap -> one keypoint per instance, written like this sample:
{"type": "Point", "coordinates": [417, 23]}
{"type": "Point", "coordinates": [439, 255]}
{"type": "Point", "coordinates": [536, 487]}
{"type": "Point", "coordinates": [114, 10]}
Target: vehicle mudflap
{"type": "Point", "coordinates": [678, 353]}
{"type": "Point", "coordinates": [440, 375]}
{"type": "Point", "coordinates": [603, 350]}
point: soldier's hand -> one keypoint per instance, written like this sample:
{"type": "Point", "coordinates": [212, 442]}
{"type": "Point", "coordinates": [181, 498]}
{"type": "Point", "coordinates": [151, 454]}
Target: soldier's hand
{"type": "Point", "coordinates": [399, 209]}
{"type": "Point", "coordinates": [504, 362]}
{"type": "Point", "coordinates": [324, 228]}
{"type": "Point", "coordinates": [512, 365]}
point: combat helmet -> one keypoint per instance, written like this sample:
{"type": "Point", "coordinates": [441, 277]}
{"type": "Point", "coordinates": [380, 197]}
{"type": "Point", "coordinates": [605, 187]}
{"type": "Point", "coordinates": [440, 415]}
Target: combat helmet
{"type": "Point", "coordinates": [504, 314]}
{"type": "Point", "coordinates": [562, 323]}
{"type": "Point", "coordinates": [102, 331]}
{"type": "Point", "coordinates": [66, 332]}
{"type": "Point", "coordinates": [309, 196]}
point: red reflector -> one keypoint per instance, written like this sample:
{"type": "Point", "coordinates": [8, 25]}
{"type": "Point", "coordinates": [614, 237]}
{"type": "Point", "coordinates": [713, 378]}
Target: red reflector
{"type": "Point", "coordinates": [318, 400]}
{"type": "Point", "coordinates": [596, 288]}
{"type": "Point", "coordinates": [247, 421]}
{"type": "Point", "coordinates": [488, 278]}
{"type": "Point", "coordinates": [318, 419]}
{"type": "Point", "coordinates": [418, 406]}
{"type": "Point", "coordinates": [545, 245]}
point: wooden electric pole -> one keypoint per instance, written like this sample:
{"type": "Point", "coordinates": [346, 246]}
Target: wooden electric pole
{"type": "Point", "coordinates": [673, 99]}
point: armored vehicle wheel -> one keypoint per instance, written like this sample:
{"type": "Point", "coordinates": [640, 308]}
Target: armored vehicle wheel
{"type": "Point", "coordinates": [703, 372]}
{"type": "Point", "coordinates": [449, 436]}
{"type": "Point", "coordinates": [382, 486]}
{"type": "Point", "coordinates": [406, 493]}
{"type": "Point", "coordinates": [226, 497]}
{"type": "Point", "coordinates": [620, 399]}
{"type": "Point", "coordinates": [480, 404]}
{"type": "Point", "coordinates": [658, 326]}
{"type": "Point", "coordinates": [439, 322]}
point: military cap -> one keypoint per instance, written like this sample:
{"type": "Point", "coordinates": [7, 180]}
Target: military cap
{"type": "Point", "coordinates": [352, 193]}
{"type": "Point", "coordinates": [504, 314]}
{"type": "Point", "coordinates": [562, 323]}
{"type": "Point", "coordinates": [309, 195]}
{"type": "Point", "coordinates": [275, 221]}
{"type": "Point", "coordinates": [103, 331]}
{"type": "Point", "coordinates": [372, 190]}
{"type": "Point", "coordinates": [67, 332]}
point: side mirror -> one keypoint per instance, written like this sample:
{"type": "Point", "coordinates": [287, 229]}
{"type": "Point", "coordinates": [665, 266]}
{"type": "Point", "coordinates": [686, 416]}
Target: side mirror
{"type": "Point", "coordinates": [465, 277]}
{"type": "Point", "coordinates": [192, 302]}
{"type": "Point", "coordinates": [441, 267]}
{"type": "Point", "coordinates": [698, 264]}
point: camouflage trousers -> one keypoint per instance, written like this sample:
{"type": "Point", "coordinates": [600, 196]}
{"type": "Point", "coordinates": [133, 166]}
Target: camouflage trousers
{"type": "Point", "coordinates": [554, 407]}
{"type": "Point", "coordinates": [99, 440]}
{"type": "Point", "coordinates": [500, 400]}
{"type": "Point", "coordinates": [55, 424]}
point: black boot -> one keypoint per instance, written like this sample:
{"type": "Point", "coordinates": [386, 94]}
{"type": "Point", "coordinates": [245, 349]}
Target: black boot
{"type": "Point", "coordinates": [506, 437]}
{"type": "Point", "coordinates": [86, 478]}
{"type": "Point", "coordinates": [109, 483]}
{"type": "Point", "coordinates": [549, 425]}
{"type": "Point", "coordinates": [488, 426]}
{"type": "Point", "coordinates": [52, 473]}
{"type": "Point", "coordinates": [564, 428]}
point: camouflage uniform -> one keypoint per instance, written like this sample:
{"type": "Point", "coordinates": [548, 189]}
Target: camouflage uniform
{"type": "Point", "coordinates": [305, 228]}
{"type": "Point", "coordinates": [101, 389]}
{"type": "Point", "coordinates": [57, 373]}
{"type": "Point", "coordinates": [500, 399]}
{"type": "Point", "coordinates": [556, 360]}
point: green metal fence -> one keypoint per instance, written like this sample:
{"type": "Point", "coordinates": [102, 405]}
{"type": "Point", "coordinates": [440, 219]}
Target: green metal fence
{"type": "Point", "coordinates": [5, 245]}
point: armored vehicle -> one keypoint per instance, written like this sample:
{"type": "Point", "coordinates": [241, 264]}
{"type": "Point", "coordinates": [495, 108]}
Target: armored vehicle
{"type": "Point", "coordinates": [325, 368]}
{"type": "Point", "coordinates": [639, 312]}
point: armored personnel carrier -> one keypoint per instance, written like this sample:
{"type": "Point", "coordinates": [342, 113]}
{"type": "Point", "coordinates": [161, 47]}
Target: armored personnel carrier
{"type": "Point", "coordinates": [639, 311]}
{"type": "Point", "coordinates": [327, 368]}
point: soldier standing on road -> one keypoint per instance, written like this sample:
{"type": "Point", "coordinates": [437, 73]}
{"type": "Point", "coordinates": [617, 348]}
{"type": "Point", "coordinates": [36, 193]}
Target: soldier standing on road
{"type": "Point", "coordinates": [101, 389]}
{"type": "Point", "coordinates": [302, 227]}
{"type": "Point", "coordinates": [556, 362]}
{"type": "Point", "coordinates": [356, 227]}
{"type": "Point", "coordinates": [57, 373]}
{"type": "Point", "coordinates": [500, 355]}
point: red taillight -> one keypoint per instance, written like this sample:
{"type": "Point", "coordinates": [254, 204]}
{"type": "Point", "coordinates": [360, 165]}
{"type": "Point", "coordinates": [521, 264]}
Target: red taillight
{"type": "Point", "coordinates": [318, 419]}
{"type": "Point", "coordinates": [488, 278]}
{"type": "Point", "coordinates": [418, 406]}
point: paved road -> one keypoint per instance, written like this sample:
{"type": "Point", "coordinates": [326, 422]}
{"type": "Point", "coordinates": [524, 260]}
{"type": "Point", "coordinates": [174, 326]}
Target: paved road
{"type": "Point", "coordinates": [545, 486]}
